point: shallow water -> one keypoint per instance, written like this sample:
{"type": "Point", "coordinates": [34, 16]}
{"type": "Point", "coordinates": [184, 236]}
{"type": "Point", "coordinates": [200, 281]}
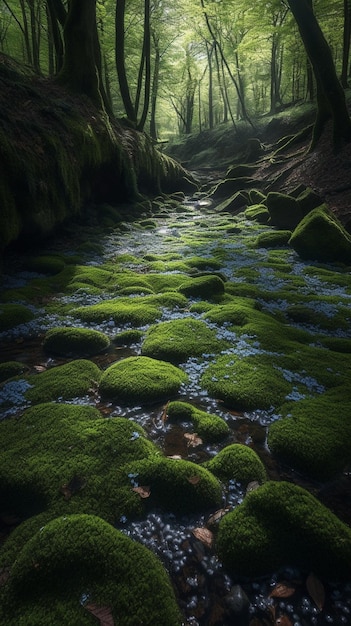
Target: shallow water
{"type": "Point", "coordinates": [200, 582]}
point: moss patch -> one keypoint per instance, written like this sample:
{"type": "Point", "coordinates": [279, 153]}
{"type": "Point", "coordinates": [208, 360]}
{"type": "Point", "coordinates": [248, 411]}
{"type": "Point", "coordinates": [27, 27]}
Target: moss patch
{"type": "Point", "coordinates": [65, 458]}
{"type": "Point", "coordinates": [237, 462]}
{"type": "Point", "coordinates": [177, 340]}
{"type": "Point", "coordinates": [176, 485]}
{"type": "Point", "coordinates": [12, 315]}
{"type": "Point", "coordinates": [204, 286]}
{"type": "Point", "coordinates": [314, 437]}
{"type": "Point", "coordinates": [64, 381]}
{"type": "Point", "coordinates": [141, 379]}
{"type": "Point", "coordinates": [210, 427]}
{"type": "Point", "coordinates": [273, 239]}
{"type": "Point", "coordinates": [9, 369]}
{"type": "Point", "coordinates": [77, 342]}
{"type": "Point", "coordinates": [83, 560]}
{"type": "Point", "coordinates": [280, 524]}
{"type": "Point", "coordinates": [321, 237]}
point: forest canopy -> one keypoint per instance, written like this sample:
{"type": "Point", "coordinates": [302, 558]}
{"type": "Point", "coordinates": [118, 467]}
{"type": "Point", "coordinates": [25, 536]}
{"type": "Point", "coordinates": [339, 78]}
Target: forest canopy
{"type": "Point", "coordinates": [181, 67]}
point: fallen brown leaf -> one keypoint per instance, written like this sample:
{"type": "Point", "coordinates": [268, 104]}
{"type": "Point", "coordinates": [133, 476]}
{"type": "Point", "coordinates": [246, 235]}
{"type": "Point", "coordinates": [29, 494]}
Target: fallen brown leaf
{"type": "Point", "coordinates": [143, 491]}
{"type": "Point", "coordinates": [164, 415]}
{"type": "Point", "coordinates": [316, 590]}
{"type": "Point", "coordinates": [204, 535]}
{"type": "Point", "coordinates": [103, 613]}
{"type": "Point", "coordinates": [216, 517]}
{"type": "Point", "coordinates": [194, 480]}
{"type": "Point", "coordinates": [176, 457]}
{"type": "Point", "coordinates": [193, 439]}
{"type": "Point", "coordinates": [283, 620]}
{"type": "Point", "coordinates": [282, 590]}
{"type": "Point", "coordinates": [254, 484]}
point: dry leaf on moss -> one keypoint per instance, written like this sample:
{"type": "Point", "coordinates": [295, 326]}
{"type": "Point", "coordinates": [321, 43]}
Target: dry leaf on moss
{"type": "Point", "coordinates": [103, 613]}
{"type": "Point", "coordinates": [143, 491]}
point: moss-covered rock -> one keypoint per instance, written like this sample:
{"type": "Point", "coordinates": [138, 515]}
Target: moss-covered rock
{"type": "Point", "coordinates": [280, 524]}
{"type": "Point", "coordinates": [237, 462]}
{"type": "Point", "coordinates": [314, 436]}
{"type": "Point", "coordinates": [177, 340]}
{"type": "Point", "coordinates": [210, 427]}
{"type": "Point", "coordinates": [176, 485]}
{"type": "Point", "coordinates": [77, 562]}
{"type": "Point", "coordinates": [49, 264]}
{"type": "Point", "coordinates": [64, 458]}
{"type": "Point", "coordinates": [208, 286]}
{"type": "Point", "coordinates": [273, 239]}
{"type": "Point", "coordinates": [321, 237]}
{"type": "Point", "coordinates": [256, 197]}
{"type": "Point", "coordinates": [76, 342]}
{"type": "Point", "coordinates": [253, 382]}
{"type": "Point", "coordinates": [308, 200]}
{"type": "Point", "coordinates": [127, 337]}
{"type": "Point", "coordinates": [234, 203]}
{"type": "Point", "coordinates": [257, 212]}
{"type": "Point", "coordinates": [141, 379]}
{"type": "Point", "coordinates": [12, 315]}
{"type": "Point", "coordinates": [9, 369]}
{"type": "Point", "coordinates": [284, 210]}
{"type": "Point", "coordinates": [64, 381]}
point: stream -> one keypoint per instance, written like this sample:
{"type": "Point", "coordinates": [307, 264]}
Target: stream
{"type": "Point", "coordinates": [220, 243]}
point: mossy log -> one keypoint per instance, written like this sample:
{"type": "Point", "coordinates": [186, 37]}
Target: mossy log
{"type": "Point", "coordinates": [59, 153]}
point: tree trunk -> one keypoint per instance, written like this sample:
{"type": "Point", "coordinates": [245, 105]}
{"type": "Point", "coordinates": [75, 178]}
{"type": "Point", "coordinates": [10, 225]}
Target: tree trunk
{"type": "Point", "coordinates": [346, 43]}
{"type": "Point", "coordinates": [147, 62]}
{"type": "Point", "coordinates": [154, 89]}
{"type": "Point", "coordinates": [79, 72]}
{"type": "Point", "coordinates": [330, 95]}
{"type": "Point", "coordinates": [120, 62]}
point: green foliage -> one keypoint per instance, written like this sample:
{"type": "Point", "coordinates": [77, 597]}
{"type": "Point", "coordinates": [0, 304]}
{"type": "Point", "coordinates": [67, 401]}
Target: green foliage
{"type": "Point", "coordinates": [279, 524]}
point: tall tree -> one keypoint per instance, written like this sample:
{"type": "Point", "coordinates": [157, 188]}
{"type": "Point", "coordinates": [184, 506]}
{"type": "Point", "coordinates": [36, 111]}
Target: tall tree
{"type": "Point", "coordinates": [330, 95]}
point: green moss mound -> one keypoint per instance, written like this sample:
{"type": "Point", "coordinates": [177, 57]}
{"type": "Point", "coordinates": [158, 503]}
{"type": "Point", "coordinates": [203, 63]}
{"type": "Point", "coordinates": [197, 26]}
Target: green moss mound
{"type": "Point", "coordinates": [257, 212]}
{"type": "Point", "coordinates": [46, 264]}
{"type": "Point", "coordinates": [273, 239]}
{"type": "Point", "coordinates": [209, 427]}
{"type": "Point", "coordinates": [64, 381]}
{"type": "Point", "coordinates": [176, 485]}
{"type": "Point", "coordinates": [202, 287]}
{"type": "Point", "coordinates": [127, 337]}
{"type": "Point", "coordinates": [321, 237]}
{"type": "Point", "coordinates": [246, 384]}
{"type": "Point", "coordinates": [279, 524]}
{"type": "Point", "coordinates": [12, 315]}
{"type": "Point", "coordinates": [65, 458]}
{"type": "Point", "coordinates": [11, 369]}
{"type": "Point", "coordinates": [80, 560]}
{"type": "Point", "coordinates": [77, 342]}
{"type": "Point", "coordinates": [137, 311]}
{"type": "Point", "coordinates": [237, 462]}
{"type": "Point", "coordinates": [141, 379]}
{"type": "Point", "coordinates": [177, 340]}
{"type": "Point", "coordinates": [315, 436]}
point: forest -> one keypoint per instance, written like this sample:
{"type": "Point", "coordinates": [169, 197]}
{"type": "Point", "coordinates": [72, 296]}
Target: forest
{"type": "Point", "coordinates": [175, 327]}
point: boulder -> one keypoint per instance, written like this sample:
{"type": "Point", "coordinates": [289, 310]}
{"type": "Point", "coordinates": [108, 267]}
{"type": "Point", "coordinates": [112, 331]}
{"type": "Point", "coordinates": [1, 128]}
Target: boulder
{"type": "Point", "coordinates": [284, 210]}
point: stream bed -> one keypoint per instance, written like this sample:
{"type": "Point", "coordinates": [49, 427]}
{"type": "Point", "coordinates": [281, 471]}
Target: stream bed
{"type": "Point", "coordinates": [192, 239]}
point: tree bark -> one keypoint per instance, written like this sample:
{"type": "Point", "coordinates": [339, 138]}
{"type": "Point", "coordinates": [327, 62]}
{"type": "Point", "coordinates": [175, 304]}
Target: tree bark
{"type": "Point", "coordinates": [79, 71]}
{"type": "Point", "coordinates": [346, 44]}
{"type": "Point", "coordinates": [330, 95]}
{"type": "Point", "coordinates": [120, 62]}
